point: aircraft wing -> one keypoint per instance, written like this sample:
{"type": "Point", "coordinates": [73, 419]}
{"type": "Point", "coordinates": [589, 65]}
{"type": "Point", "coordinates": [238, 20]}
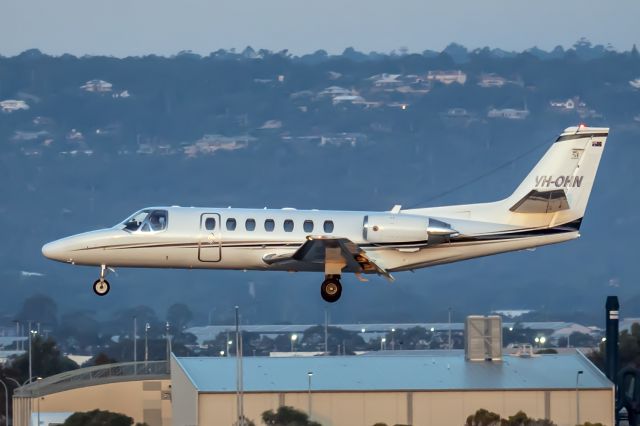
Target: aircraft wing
{"type": "Point", "coordinates": [323, 250]}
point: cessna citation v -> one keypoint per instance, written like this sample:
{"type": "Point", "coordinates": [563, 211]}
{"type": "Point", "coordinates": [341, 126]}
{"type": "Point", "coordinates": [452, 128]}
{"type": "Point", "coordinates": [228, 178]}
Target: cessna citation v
{"type": "Point", "coordinates": [546, 208]}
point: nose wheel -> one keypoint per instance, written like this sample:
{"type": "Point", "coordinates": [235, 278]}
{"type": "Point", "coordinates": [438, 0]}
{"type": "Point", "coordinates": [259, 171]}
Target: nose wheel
{"type": "Point", "coordinates": [331, 289]}
{"type": "Point", "coordinates": [101, 285]}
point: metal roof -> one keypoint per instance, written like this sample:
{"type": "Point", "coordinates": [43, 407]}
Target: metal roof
{"type": "Point", "coordinates": [448, 371]}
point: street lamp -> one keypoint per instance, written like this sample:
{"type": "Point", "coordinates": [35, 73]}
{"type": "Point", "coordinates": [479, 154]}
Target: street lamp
{"type": "Point", "coordinates": [578, 374]}
{"type": "Point", "coordinates": [229, 343]}
{"type": "Point", "coordinates": [146, 342]}
{"type": "Point", "coordinates": [294, 337]}
{"type": "Point", "coordinates": [543, 340]}
{"type": "Point", "coordinates": [382, 343]}
{"type": "Point", "coordinates": [432, 329]}
{"type": "Point", "coordinates": [309, 375]}
{"type": "Point", "coordinates": [363, 330]}
{"type": "Point", "coordinates": [31, 334]}
{"type": "Point", "coordinates": [221, 353]}
{"type": "Point", "coordinates": [393, 339]}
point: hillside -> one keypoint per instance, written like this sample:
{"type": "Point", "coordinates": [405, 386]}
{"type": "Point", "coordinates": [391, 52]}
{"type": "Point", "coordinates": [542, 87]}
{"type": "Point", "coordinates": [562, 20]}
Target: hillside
{"type": "Point", "coordinates": [86, 141]}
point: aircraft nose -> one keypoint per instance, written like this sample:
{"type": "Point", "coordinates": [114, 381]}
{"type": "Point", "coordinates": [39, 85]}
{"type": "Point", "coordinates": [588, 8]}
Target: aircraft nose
{"type": "Point", "coordinates": [55, 250]}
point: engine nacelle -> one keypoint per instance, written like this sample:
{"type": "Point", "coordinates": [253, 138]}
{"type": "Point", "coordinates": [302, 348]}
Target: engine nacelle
{"type": "Point", "coordinates": [404, 228]}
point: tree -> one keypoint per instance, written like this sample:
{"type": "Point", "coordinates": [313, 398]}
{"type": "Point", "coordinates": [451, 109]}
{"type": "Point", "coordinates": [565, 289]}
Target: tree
{"type": "Point", "coordinates": [39, 309]}
{"type": "Point", "coordinates": [103, 359]}
{"type": "Point", "coordinates": [47, 360]}
{"type": "Point", "coordinates": [99, 418]}
{"type": "Point", "coordinates": [179, 315]}
{"type": "Point", "coordinates": [287, 416]}
{"type": "Point", "coordinates": [483, 417]}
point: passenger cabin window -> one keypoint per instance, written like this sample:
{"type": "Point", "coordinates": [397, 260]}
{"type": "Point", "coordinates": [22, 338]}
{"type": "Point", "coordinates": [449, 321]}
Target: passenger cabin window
{"type": "Point", "coordinates": [210, 224]}
{"type": "Point", "coordinates": [328, 226]}
{"type": "Point", "coordinates": [147, 221]}
{"type": "Point", "coordinates": [288, 225]}
{"type": "Point", "coordinates": [269, 225]}
{"type": "Point", "coordinates": [308, 226]}
{"type": "Point", "coordinates": [231, 224]}
{"type": "Point", "coordinates": [250, 224]}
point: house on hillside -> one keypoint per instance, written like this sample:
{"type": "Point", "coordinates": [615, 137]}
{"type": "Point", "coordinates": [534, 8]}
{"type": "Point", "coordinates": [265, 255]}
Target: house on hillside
{"type": "Point", "coordinates": [332, 91]}
{"type": "Point", "coordinates": [209, 144]}
{"type": "Point", "coordinates": [97, 86]}
{"type": "Point", "coordinates": [11, 105]}
{"type": "Point", "coordinates": [508, 113]}
{"type": "Point", "coordinates": [447, 77]}
{"type": "Point", "coordinates": [491, 80]}
{"type": "Point", "coordinates": [386, 81]}
{"type": "Point", "coordinates": [567, 105]}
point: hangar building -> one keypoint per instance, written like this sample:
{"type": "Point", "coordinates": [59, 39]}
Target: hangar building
{"type": "Point", "coordinates": [439, 389]}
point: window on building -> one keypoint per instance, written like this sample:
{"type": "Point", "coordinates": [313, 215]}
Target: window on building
{"type": "Point", "coordinates": [250, 224]}
{"type": "Point", "coordinates": [328, 226]}
{"type": "Point", "coordinates": [231, 224]}
{"type": "Point", "coordinates": [288, 225]}
{"type": "Point", "coordinates": [210, 224]}
{"type": "Point", "coordinates": [308, 226]}
{"type": "Point", "coordinates": [269, 225]}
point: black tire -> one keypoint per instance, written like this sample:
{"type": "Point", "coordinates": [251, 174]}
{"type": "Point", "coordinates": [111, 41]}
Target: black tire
{"type": "Point", "coordinates": [101, 287]}
{"type": "Point", "coordinates": [331, 290]}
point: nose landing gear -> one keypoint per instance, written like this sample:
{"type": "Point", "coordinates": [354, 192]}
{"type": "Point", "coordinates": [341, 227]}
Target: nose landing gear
{"type": "Point", "coordinates": [101, 285]}
{"type": "Point", "coordinates": [331, 289]}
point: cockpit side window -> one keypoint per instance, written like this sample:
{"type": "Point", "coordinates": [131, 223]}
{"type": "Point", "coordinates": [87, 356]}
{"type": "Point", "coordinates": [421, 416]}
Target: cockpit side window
{"type": "Point", "coordinates": [147, 221]}
{"type": "Point", "coordinates": [157, 220]}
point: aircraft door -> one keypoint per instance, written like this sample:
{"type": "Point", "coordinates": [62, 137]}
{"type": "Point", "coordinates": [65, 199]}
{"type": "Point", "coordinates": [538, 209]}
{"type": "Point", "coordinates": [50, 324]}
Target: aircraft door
{"type": "Point", "coordinates": [209, 246]}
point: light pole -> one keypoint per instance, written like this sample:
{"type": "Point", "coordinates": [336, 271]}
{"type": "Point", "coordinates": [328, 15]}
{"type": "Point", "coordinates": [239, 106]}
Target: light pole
{"type": "Point", "coordinates": [382, 343]}
{"type": "Point", "coordinates": [30, 355]}
{"type": "Point", "coordinates": [6, 403]}
{"type": "Point", "coordinates": [135, 338]}
{"type": "Point", "coordinates": [167, 327]}
{"type": "Point", "coordinates": [393, 339]}
{"type": "Point", "coordinates": [309, 375]}
{"type": "Point", "coordinates": [449, 341]}
{"type": "Point", "coordinates": [229, 343]}
{"type": "Point", "coordinates": [146, 342]}
{"type": "Point", "coordinates": [578, 374]}
{"type": "Point", "coordinates": [294, 337]}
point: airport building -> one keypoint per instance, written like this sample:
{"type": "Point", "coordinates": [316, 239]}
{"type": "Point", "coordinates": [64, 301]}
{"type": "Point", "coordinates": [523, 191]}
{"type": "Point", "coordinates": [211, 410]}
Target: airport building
{"type": "Point", "coordinates": [394, 387]}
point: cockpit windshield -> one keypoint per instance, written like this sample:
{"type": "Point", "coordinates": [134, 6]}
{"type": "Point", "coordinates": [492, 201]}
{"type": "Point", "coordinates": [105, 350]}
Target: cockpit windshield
{"type": "Point", "coordinates": [146, 221]}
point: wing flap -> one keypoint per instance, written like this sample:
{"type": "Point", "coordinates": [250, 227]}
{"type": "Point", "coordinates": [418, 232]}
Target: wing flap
{"type": "Point", "coordinates": [333, 250]}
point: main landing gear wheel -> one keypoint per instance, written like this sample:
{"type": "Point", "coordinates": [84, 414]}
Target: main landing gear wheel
{"type": "Point", "coordinates": [331, 290]}
{"type": "Point", "coordinates": [101, 287]}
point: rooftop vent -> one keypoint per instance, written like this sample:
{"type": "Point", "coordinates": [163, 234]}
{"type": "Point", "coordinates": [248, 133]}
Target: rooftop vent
{"type": "Point", "coordinates": [483, 338]}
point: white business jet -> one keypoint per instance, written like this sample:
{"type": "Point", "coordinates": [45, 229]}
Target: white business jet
{"type": "Point", "coordinates": [546, 208]}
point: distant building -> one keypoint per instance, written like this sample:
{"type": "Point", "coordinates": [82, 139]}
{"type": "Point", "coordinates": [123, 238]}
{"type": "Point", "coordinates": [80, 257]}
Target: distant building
{"type": "Point", "coordinates": [271, 124]}
{"type": "Point", "coordinates": [11, 105]}
{"type": "Point", "coordinates": [457, 113]}
{"type": "Point", "coordinates": [447, 77]}
{"type": "Point", "coordinates": [99, 86]}
{"type": "Point", "coordinates": [353, 99]}
{"type": "Point", "coordinates": [491, 80]}
{"type": "Point", "coordinates": [508, 113]}
{"type": "Point", "coordinates": [337, 91]}
{"type": "Point", "coordinates": [512, 313]}
{"type": "Point", "coordinates": [386, 80]}
{"type": "Point", "coordinates": [570, 104]}
{"type": "Point", "coordinates": [209, 144]}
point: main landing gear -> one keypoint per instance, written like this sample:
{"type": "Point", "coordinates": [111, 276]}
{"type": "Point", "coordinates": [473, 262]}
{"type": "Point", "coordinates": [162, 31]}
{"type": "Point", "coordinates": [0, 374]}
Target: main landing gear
{"type": "Point", "coordinates": [101, 285]}
{"type": "Point", "coordinates": [331, 289]}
